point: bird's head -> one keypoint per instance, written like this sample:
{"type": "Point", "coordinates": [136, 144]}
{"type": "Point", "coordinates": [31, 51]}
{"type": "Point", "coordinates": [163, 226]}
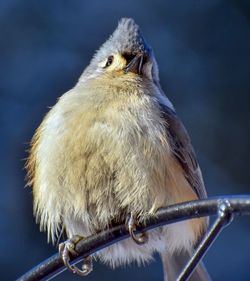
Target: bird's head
{"type": "Point", "coordinates": [124, 53]}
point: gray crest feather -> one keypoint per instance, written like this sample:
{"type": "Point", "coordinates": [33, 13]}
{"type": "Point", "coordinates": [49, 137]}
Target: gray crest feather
{"type": "Point", "coordinates": [127, 38]}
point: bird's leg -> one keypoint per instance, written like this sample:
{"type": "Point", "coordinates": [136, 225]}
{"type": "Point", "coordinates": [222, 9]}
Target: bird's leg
{"type": "Point", "coordinates": [68, 247]}
{"type": "Point", "coordinates": [131, 223]}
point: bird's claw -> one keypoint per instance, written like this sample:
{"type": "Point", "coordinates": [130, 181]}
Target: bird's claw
{"type": "Point", "coordinates": [140, 238]}
{"type": "Point", "coordinates": [68, 247]}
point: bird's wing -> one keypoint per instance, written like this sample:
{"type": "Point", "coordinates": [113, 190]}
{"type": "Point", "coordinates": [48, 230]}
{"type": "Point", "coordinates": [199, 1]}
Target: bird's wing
{"type": "Point", "coordinates": [183, 150]}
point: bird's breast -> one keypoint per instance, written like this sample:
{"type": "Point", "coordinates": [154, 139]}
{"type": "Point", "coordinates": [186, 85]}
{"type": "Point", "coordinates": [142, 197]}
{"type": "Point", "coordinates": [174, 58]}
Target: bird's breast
{"type": "Point", "coordinates": [105, 160]}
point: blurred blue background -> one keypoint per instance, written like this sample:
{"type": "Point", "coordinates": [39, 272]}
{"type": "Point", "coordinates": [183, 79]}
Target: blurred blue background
{"type": "Point", "coordinates": [203, 51]}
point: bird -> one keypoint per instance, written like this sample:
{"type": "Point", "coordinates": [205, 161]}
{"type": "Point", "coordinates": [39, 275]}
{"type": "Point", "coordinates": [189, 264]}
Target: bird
{"type": "Point", "coordinates": [113, 150]}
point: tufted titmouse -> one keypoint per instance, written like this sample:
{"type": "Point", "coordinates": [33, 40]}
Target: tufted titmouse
{"type": "Point", "coordinates": [112, 149]}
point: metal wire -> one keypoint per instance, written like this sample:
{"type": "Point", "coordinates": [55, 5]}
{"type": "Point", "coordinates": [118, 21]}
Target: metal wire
{"type": "Point", "coordinates": [224, 218]}
{"type": "Point", "coordinates": [48, 269]}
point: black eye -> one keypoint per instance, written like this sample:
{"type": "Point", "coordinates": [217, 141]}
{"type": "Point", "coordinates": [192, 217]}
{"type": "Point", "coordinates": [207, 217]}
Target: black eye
{"type": "Point", "coordinates": [109, 61]}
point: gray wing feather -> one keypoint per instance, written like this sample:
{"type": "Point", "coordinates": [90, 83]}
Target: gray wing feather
{"type": "Point", "coordinates": [183, 150]}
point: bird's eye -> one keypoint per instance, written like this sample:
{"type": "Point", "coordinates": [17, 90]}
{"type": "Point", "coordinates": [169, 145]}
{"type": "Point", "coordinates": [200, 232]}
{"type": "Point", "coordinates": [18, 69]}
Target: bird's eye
{"type": "Point", "coordinates": [109, 61]}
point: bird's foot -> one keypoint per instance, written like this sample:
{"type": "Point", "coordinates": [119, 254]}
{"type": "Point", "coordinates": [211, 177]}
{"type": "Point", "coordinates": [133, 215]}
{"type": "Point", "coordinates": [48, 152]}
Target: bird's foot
{"type": "Point", "coordinates": [68, 247]}
{"type": "Point", "coordinates": [140, 238]}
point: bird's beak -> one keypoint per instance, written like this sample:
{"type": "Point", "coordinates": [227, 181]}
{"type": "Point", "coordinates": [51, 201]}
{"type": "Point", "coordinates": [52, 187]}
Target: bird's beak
{"type": "Point", "coordinates": [135, 65]}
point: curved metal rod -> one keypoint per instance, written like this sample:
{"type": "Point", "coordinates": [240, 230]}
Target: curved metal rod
{"type": "Point", "coordinates": [224, 218]}
{"type": "Point", "coordinates": [240, 205]}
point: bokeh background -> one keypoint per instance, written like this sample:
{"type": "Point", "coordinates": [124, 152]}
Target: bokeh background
{"type": "Point", "coordinates": [203, 51]}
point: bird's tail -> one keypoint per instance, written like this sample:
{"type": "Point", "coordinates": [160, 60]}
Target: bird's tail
{"type": "Point", "coordinates": [174, 263]}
